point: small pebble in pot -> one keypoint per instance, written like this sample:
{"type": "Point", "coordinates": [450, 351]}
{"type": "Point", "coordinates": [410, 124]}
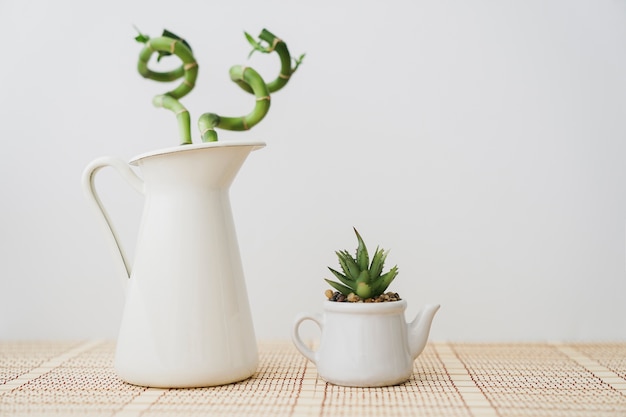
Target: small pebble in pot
{"type": "Point", "coordinates": [353, 298]}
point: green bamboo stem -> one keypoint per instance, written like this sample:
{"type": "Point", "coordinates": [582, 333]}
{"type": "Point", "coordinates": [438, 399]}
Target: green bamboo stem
{"type": "Point", "coordinates": [182, 115]}
{"type": "Point", "coordinates": [207, 124]}
{"type": "Point", "coordinates": [247, 78]}
{"type": "Point", "coordinates": [280, 47]}
{"type": "Point", "coordinates": [285, 61]}
{"type": "Point", "coordinates": [188, 70]}
{"type": "Point", "coordinates": [239, 74]}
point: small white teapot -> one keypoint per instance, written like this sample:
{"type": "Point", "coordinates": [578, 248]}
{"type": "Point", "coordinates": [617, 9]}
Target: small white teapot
{"type": "Point", "coordinates": [366, 344]}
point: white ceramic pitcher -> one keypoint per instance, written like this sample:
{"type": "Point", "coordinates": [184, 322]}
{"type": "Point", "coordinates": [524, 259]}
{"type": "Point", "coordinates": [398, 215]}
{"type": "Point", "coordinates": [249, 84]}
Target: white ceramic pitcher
{"type": "Point", "coordinates": [186, 320]}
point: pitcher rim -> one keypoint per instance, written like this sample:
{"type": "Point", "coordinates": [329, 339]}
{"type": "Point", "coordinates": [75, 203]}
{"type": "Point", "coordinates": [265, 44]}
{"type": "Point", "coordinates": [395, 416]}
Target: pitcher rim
{"type": "Point", "coordinates": [257, 144]}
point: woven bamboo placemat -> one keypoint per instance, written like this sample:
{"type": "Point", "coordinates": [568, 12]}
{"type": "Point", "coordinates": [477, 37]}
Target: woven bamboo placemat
{"type": "Point", "coordinates": [450, 379]}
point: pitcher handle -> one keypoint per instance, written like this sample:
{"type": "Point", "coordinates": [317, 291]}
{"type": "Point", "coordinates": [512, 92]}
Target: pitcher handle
{"type": "Point", "coordinates": [88, 182]}
{"type": "Point", "coordinates": [295, 335]}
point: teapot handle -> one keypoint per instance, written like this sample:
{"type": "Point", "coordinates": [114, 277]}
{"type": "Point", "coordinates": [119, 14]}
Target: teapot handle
{"type": "Point", "coordinates": [88, 182]}
{"type": "Point", "coordinates": [295, 335]}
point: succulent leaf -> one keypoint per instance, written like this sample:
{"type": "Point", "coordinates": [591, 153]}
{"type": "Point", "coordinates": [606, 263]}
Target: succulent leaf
{"type": "Point", "coordinates": [357, 278]}
{"type": "Point", "coordinates": [364, 290]}
{"type": "Point", "coordinates": [353, 269]}
{"type": "Point", "coordinates": [341, 277]}
{"type": "Point", "coordinates": [342, 263]}
{"type": "Point", "coordinates": [339, 287]}
{"type": "Point", "coordinates": [378, 262]}
{"type": "Point", "coordinates": [364, 276]}
{"type": "Point", "coordinates": [362, 257]}
{"type": "Point", "coordinates": [386, 279]}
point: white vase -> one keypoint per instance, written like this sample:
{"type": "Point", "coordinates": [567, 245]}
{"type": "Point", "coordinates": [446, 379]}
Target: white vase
{"type": "Point", "coordinates": [186, 321]}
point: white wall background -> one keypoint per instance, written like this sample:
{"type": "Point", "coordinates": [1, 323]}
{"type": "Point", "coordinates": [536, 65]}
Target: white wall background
{"type": "Point", "coordinates": [483, 142]}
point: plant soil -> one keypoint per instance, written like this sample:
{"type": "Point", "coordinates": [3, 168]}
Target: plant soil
{"type": "Point", "coordinates": [353, 298]}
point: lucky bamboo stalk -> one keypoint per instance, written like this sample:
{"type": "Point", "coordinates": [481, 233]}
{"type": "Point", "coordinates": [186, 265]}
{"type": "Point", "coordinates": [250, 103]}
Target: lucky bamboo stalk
{"type": "Point", "coordinates": [247, 78]}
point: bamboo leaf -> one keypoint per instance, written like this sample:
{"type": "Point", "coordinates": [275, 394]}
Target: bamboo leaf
{"type": "Point", "coordinates": [256, 46]}
{"type": "Point", "coordinates": [167, 34]}
{"type": "Point", "coordinates": [297, 62]}
{"type": "Point", "coordinates": [174, 36]}
{"type": "Point", "coordinates": [141, 37]}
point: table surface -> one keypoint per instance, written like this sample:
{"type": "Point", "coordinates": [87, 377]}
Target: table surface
{"type": "Point", "coordinates": [450, 379]}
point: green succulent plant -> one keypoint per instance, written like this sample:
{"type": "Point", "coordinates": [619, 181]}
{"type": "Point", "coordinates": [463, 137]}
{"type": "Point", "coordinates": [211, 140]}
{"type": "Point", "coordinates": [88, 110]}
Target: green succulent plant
{"type": "Point", "coordinates": [359, 276]}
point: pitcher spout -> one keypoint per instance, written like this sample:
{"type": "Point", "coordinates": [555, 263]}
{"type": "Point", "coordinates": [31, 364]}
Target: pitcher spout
{"type": "Point", "coordinates": [419, 329]}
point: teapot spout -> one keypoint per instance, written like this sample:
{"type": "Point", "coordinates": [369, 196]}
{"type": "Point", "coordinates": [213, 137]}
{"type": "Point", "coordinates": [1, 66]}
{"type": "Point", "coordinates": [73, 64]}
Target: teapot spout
{"type": "Point", "coordinates": [419, 329]}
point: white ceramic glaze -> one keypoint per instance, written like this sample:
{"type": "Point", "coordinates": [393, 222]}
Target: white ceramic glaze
{"type": "Point", "coordinates": [186, 320]}
{"type": "Point", "coordinates": [366, 344]}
